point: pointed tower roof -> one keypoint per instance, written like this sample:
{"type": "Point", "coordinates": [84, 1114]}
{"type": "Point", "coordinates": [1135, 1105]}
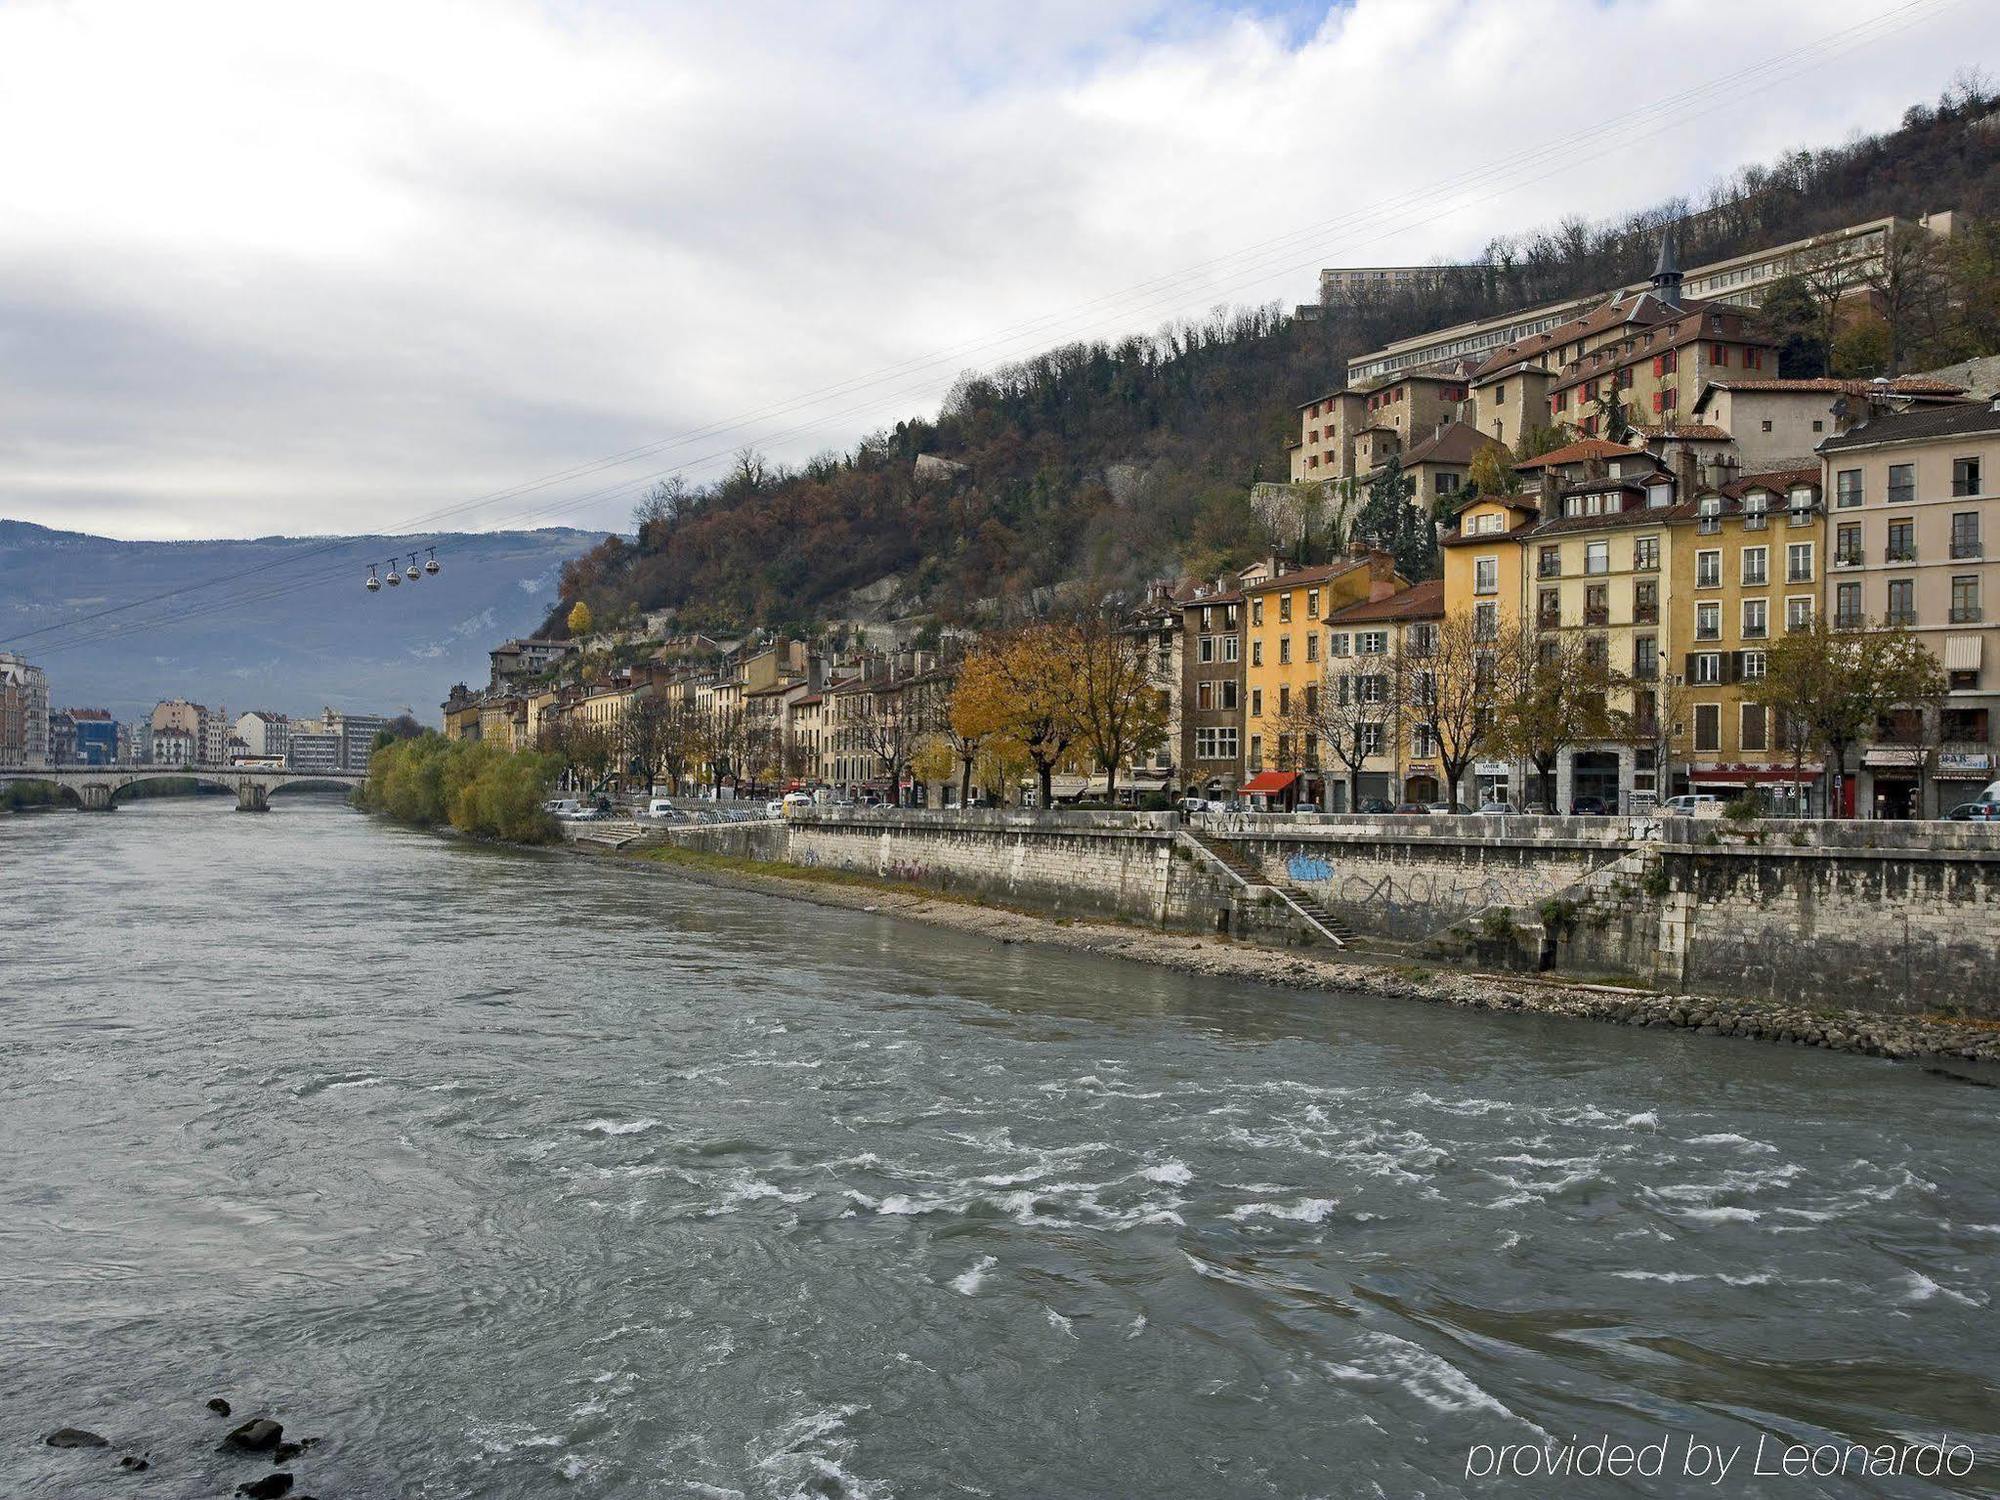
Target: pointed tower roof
{"type": "Point", "coordinates": [1667, 271]}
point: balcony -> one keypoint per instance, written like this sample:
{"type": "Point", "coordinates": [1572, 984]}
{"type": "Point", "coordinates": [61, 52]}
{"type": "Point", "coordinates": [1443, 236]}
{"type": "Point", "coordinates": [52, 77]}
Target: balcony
{"type": "Point", "coordinates": [1755, 520]}
{"type": "Point", "coordinates": [1708, 632]}
{"type": "Point", "coordinates": [1965, 547]}
{"type": "Point", "coordinates": [1597, 615]}
{"type": "Point", "coordinates": [1798, 575]}
{"type": "Point", "coordinates": [1756, 580]}
{"type": "Point", "coordinates": [1799, 626]}
{"type": "Point", "coordinates": [1801, 516]}
{"type": "Point", "coordinates": [1650, 564]}
{"type": "Point", "coordinates": [1708, 525]}
{"type": "Point", "coordinates": [1902, 494]}
{"type": "Point", "coordinates": [1549, 567]}
{"type": "Point", "coordinates": [1966, 614]}
{"type": "Point", "coordinates": [1851, 557]}
{"type": "Point", "coordinates": [1645, 614]}
{"type": "Point", "coordinates": [1848, 619]}
{"type": "Point", "coordinates": [1753, 632]}
{"type": "Point", "coordinates": [1900, 555]}
{"type": "Point", "coordinates": [1548, 620]}
{"type": "Point", "coordinates": [1900, 617]}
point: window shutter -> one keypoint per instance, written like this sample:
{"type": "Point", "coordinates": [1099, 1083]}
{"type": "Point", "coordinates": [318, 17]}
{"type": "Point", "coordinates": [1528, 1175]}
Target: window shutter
{"type": "Point", "coordinates": [1688, 673]}
{"type": "Point", "coordinates": [1733, 668]}
{"type": "Point", "coordinates": [1659, 366]}
{"type": "Point", "coordinates": [1656, 396]}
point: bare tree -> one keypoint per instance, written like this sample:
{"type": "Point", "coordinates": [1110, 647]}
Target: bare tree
{"type": "Point", "coordinates": [1350, 712]}
{"type": "Point", "coordinates": [1454, 692]}
{"type": "Point", "coordinates": [1119, 708]}
{"type": "Point", "coordinates": [1557, 697]}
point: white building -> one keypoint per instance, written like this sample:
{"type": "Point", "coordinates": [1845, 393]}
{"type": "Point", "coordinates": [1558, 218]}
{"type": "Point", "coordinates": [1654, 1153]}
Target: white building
{"type": "Point", "coordinates": [264, 732]}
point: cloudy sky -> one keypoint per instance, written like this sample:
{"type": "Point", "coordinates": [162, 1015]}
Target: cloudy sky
{"type": "Point", "coordinates": [317, 267]}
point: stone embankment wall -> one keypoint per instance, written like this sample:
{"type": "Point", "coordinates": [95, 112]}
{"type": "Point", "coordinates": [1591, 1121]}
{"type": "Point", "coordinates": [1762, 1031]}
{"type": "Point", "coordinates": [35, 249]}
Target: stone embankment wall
{"type": "Point", "coordinates": [1883, 916]}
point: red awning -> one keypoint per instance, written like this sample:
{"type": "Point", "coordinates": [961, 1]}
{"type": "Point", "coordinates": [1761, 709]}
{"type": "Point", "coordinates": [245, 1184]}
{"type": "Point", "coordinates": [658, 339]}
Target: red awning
{"type": "Point", "coordinates": [1269, 782]}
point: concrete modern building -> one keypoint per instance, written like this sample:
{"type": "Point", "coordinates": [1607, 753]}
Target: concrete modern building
{"type": "Point", "coordinates": [24, 712]}
{"type": "Point", "coordinates": [94, 737]}
{"type": "Point", "coordinates": [311, 752]}
{"type": "Point", "coordinates": [1913, 503]}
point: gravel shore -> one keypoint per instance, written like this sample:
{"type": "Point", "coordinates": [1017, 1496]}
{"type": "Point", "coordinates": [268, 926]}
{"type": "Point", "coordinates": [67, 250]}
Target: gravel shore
{"type": "Point", "coordinates": [1938, 1038]}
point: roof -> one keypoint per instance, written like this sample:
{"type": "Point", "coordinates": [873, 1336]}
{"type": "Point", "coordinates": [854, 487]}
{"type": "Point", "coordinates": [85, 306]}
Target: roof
{"type": "Point", "coordinates": [1643, 309]}
{"type": "Point", "coordinates": [1423, 601]}
{"type": "Point", "coordinates": [1641, 516]}
{"type": "Point", "coordinates": [1516, 529]}
{"type": "Point", "coordinates": [1454, 443]}
{"type": "Point", "coordinates": [1903, 385]}
{"type": "Point", "coordinates": [1770, 479]}
{"type": "Point", "coordinates": [808, 699]}
{"type": "Point", "coordinates": [1582, 451]}
{"type": "Point", "coordinates": [1964, 420]}
{"type": "Point", "coordinates": [1606, 358]}
{"type": "Point", "coordinates": [1225, 596]}
{"type": "Point", "coordinates": [1321, 573]}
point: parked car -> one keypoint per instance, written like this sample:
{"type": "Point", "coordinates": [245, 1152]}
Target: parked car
{"type": "Point", "coordinates": [1495, 808]}
{"type": "Point", "coordinates": [1444, 807]}
{"type": "Point", "coordinates": [775, 808]}
{"type": "Point", "coordinates": [1693, 805]}
{"type": "Point", "coordinates": [562, 807]}
{"type": "Point", "coordinates": [1410, 807]}
{"type": "Point", "coordinates": [1376, 805]}
{"type": "Point", "coordinates": [1193, 805]}
{"type": "Point", "coordinates": [797, 799]}
{"type": "Point", "coordinates": [1589, 807]}
{"type": "Point", "coordinates": [1975, 812]}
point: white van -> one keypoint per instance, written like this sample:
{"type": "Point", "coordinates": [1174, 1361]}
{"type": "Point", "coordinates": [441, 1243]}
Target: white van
{"type": "Point", "coordinates": [1693, 805]}
{"type": "Point", "coordinates": [563, 807]}
{"type": "Point", "coordinates": [662, 807]}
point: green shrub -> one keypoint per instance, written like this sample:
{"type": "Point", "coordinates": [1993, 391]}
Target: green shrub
{"type": "Point", "coordinates": [1558, 915]}
{"type": "Point", "coordinates": [475, 787]}
{"type": "Point", "coordinates": [1657, 882]}
{"type": "Point", "coordinates": [1497, 923]}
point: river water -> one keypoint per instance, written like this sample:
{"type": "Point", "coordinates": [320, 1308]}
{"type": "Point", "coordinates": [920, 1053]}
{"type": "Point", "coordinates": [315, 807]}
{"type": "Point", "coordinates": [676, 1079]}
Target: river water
{"type": "Point", "coordinates": [517, 1175]}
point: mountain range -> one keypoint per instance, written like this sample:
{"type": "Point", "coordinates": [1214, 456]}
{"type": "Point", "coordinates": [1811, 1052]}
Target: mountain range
{"type": "Point", "coordinates": [289, 626]}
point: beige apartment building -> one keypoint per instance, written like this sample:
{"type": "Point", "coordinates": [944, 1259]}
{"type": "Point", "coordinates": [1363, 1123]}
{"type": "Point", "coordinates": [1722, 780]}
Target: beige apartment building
{"type": "Point", "coordinates": [1913, 503]}
{"type": "Point", "coordinates": [1778, 423]}
{"type": "Point", "coordinates": [1351, 433]}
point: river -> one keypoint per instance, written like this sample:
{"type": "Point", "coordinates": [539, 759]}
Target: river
{"type": "Point", "coordinates": [515, 1175]}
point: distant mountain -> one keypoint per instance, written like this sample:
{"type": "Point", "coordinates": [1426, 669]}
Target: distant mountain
{"type": "Point", "coordinates": [293, 629]}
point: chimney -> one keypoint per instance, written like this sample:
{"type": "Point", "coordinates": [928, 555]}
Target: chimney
{"type": "Point", "coordinates": [1686, 472]}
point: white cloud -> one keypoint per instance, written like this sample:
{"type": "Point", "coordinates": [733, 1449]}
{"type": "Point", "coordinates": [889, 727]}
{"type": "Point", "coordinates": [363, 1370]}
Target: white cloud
{"type": "Point", "coordinates": [323, 267]}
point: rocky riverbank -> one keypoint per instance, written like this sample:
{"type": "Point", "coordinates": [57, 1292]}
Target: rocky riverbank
{"type": "Point", "coordinates": [1939, 1039]}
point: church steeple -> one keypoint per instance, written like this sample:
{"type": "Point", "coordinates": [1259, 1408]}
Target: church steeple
{"type": "Point", "coordinates": [1667, 273]}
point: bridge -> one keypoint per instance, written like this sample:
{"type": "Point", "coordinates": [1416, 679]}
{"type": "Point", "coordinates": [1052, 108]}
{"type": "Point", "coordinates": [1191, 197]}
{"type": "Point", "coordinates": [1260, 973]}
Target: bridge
{"type": "Point", "coordinates": [96, 788]}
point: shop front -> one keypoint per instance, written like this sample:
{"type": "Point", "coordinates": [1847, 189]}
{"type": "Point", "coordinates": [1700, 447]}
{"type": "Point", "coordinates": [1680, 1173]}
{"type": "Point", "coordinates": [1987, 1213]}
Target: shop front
{"type": "Point", "coordinates": [1273, 791]}
{"type": "Point", "coordinates": [1421, 784]}
{"type": "Point", "coordinates": [1895, 781]}
{"type": "Point", "coordinates": [1789, 792]}
{"type": "Point", "coordinates": [1962, 774]}
{"type": "Point", "coordinates": [1495, 781]}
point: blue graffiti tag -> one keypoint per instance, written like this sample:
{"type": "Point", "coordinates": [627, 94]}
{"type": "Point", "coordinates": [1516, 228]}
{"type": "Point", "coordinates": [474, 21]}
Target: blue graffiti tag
{"type": "Point", "coordinates": [1309, 867]}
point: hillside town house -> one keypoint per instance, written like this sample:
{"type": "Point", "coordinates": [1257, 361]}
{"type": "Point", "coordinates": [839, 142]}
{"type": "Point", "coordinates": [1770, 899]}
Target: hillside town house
{"type": "Point", "coordinates": [1366, 646]}
{"type": "Point", "coordinates": [1211, 697]}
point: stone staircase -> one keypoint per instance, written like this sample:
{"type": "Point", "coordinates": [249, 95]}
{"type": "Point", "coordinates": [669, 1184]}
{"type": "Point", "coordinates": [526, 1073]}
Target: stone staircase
{"type": "Point", "coordinates": [1251, 878]}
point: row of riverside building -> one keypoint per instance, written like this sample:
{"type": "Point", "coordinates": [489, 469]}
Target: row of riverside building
{"type": "Point", "coordinates": [1701, 505]}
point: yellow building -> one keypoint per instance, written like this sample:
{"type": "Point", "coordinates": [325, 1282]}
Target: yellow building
{"type": "Point", "coordinates": [1748, 565]}
{"type": "Point", "coordinates": [1286, 650]}
{"type": "Point", "coordinates": [1371, 640]}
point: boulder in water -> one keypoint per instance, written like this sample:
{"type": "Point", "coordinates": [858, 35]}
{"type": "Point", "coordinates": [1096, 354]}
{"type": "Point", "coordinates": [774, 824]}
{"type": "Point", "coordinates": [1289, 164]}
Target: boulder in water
{"type": "Point", "coordinates": [270, 1487]}
{"type": "Point", "coordinates": [74, 1437]}
{"type": "Point", "coordinates": [258, 1435]}
{"type": "Point", "coordinates": [135, 1463]}
{"type": "Point", "coordinates": [217, 1405]}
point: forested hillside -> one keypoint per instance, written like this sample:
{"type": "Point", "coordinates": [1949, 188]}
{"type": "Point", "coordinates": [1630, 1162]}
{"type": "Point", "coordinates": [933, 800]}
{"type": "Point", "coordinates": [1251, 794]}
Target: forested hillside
{"type": "Point", "coordinates": [1136, 458]}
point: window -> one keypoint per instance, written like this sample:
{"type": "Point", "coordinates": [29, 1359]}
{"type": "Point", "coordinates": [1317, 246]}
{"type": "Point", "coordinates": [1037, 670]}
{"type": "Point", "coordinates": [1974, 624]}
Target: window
{"type": "Point", "coordinates": [1208, 617]}
{"type": "Point", "coordinates": [1902, 601]}
{"type": "Point", "coordinates": [1256, 703]}
{"type": "Point", "coordinates": [1707, 667]}
{"type": "Point", "coordinates": [1708, 726]}
{"type": "Point", "coordinates": [1902, 484]}
{"type": "Point", "coordinates": [1799, 613]}
{"type": "Point", "coordinates": [1799, 562]}
{"type": "Point", "coordinates": [1756, 619]}
{"type": "Point", "coordinates": [1336, 643]}
{"type": "Point", "coordinates": [1215, 744]}
{"type": "Point", "coordinates": [1766, 424]}
{"type": "Point", "coordinates": [1422, 639]}
{"type": "Point", "coordinates": [1232, 647]}
{"type": "Point", "coordinates": [1708, 622]}
{"type": "Point", "coordinates": [1370, 688]}
{"type": "Point", "coordinates": [1204, 695]}
{"type": "Point", "coordinates": [1902, 542]}
{"type": "Point", "coordinates": [1284, 650]}
{"type": "Point", "coordinates": [1965, 476]}
{"type": "Point", "coordinates": [1284, 699]}
{"type": "Point", "coordinates": [1312, 604]}
{"type": "Point", "coordinates": [1256, 611]}
{"type": "Point", "coordinates": [1753, 358]}
{"type": "Point", "coordinates": [1227, 697]}
{"type": "Point", "coordinates": [1756, 571]}
{"type": "Point", "coordinates": [1718, 354]}
{"type": "Point", "coordinates": [1312, 645]}
{"type": "Point", "coordinates": [1753, 665]}
{"type": "Point", "coordinates": [1597, 652]}
{"type": "Point", "coordinates": [1847, 545]}
{"type": "Point", "coordinates": [1708, 570]}
{"type": "Point", "coordinates": [1965, 534]}
{"type": "Point", "coordinates": [1312, 698]}
{"type": "Point", "coordinates": [1548, 608]}
{"type": "Point", "coordinates": [1847, 489]}
{"type": "Point", "coordinates": [1645, 657]}
{"type": "Point", "coordinates": [1284, 607]}
{"type": "Point", "coordinates": [1645, 602]}
{"type": "Point", "coordinates": [1754, 505]}
{"type": "Point", "coordinates": [1370, 642]}
{"type": "Point", "coordinates": [1597, 557]}
{"type": "Point", "coordinates": [1369, 738]}
{"type": "Point", "coordinates": [1205, 651]}
{"type": "Point", "coordinates": [1229, 617]}
{"type": "Point", "coordinates": [1965, 599]}
{"type": "Point", "coordinates": [1422, 744]}
{"type": "Point", "coordinates": [1486, 621]}
{"type": "Point", "coordinates": [1847, 606]}
{"type": "Point", "coordinates": [1256, 653]}
{"type": "Point", "coordinates": [1646, 555]}
{"type": "Point", "coordinates": [1548, 563]}
{"type": "Point", "coordinates": [1750, 735]}
{"type": "Point", "coordinates": [1486, 575]}
{"type": "Point", "coordinates": [1597, 605]}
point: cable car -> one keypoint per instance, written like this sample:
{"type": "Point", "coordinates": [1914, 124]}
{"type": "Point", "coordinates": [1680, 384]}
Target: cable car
{"type": "Point", "coordinates": [394, 577]}
{"type": "Point", "coordinates": [415, 572]}
{"type": "Point", "coordinates": [374, 584]}
{"type": "Point", "coordinates": [432, 565]}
